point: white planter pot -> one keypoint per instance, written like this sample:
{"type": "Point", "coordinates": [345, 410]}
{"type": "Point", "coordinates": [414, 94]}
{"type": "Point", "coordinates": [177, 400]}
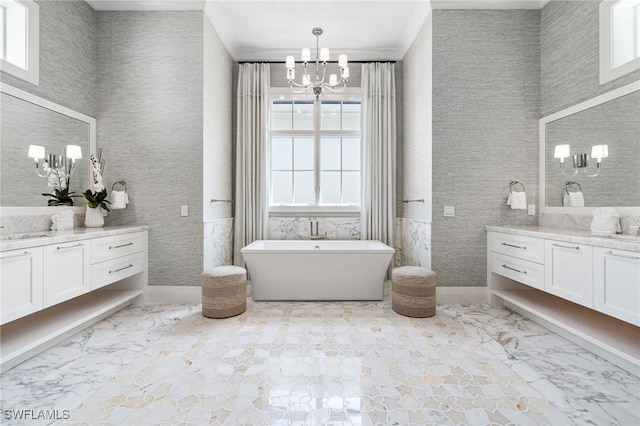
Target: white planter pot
{"type": "Point", "coordinates": [93, 218]}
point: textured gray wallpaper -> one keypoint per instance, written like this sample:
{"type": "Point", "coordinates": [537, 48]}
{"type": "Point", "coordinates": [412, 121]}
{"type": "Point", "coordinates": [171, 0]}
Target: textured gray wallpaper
{"type": "Point", "coordinates": [150, 123]}
{"type": "Point", "coordinates": [569, 55]}
{"type": "Point", "coordinates": [67, 56]}
{"type": "Point", "coordinates": [485, 131]}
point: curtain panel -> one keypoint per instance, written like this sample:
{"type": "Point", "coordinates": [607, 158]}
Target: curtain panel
{"type": "Point", "coordinates": [378, 151]}
{"type": "Point", "coordinates": [251, 203]}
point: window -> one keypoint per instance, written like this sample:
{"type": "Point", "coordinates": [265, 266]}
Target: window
{"type": "Point", "coordinates": [19, 39]}
{"type": "Point", "coordinates": [315, 154]}
{"type": "Point", "coordinates": [619, 38]}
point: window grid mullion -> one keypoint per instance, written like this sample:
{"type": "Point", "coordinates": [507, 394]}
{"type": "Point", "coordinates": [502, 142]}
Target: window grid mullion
{"type": "Point", "coordinates": [316, 144]}
{"type": "Point", "coordinates": [317, 133]}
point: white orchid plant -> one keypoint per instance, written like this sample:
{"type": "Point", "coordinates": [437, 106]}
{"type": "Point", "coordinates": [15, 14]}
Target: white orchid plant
{"type": "Point", "coordinates": [97, 195]}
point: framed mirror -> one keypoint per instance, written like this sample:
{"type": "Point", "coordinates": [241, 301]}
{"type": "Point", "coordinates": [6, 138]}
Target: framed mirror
{"type": "Point", "coordinates": [27, 119]}
{"type": "Point", "coordinates": [590, 155]}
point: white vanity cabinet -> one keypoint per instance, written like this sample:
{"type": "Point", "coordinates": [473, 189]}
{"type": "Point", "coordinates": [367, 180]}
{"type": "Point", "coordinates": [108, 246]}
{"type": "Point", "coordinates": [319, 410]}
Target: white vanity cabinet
{"type": "Point", "coordinates": [569, 271]}
{"type": "Point", "coordinates": [67, 271]}
{"type": "Point", "coordinates": [617, 283]}
{"type": "Point", "coordinates": [116, 258]}
{"type": "Point", "coordinates": [21, 282]}
{"type": "Point", "coordinates": [583, 287]}
{"type": "Point", "coordinates": [518, 257]}
{"type": "Point", "coordinates": [54, 286]}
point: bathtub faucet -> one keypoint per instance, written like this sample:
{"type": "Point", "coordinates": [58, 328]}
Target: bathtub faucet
{"type": "Point", "coordinates": [316, 235]}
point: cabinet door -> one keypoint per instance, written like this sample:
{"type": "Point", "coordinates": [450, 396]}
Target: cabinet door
{"type": "Point", "coordinates": [617, 283]}
{"type": "Point", "coordinates": [67, 271]}
{"type": "Point", "coordinates": [21, 283]}
{"type": "Point", "coordinates": [569, 271]}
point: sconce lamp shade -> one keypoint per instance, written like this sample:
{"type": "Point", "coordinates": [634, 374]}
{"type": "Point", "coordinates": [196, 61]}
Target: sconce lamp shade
{"type": "Point", "coordinates": [600, 151]}
{"type": "Point", "coordinates": [74, 152]}
{"type": "Point", "coordinates": [36, 152]}
{"type": "Point", "coordinates": [562, 151]}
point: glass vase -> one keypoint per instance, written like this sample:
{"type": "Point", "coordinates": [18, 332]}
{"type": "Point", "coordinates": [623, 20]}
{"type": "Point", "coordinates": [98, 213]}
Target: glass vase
{"type": "Point", "coordinates": [93, 218]}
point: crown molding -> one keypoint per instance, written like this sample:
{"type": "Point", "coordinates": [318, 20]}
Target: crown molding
{"type": "Point", "coordinates": [147, 4]}
{"type": "Point", "coordinates": [488, 4]}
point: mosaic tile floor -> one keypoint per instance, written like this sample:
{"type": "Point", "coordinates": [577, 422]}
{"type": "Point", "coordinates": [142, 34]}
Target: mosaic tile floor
{"type": "Point", "coordinates": [339, 363]}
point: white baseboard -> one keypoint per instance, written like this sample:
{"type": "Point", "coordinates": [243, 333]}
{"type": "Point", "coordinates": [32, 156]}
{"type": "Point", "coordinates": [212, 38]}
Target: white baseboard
{"type": "Point", "coordinates": [193, 294]}
{"type": "Point", "coordinates": [172, 295]}
{"type": "Point", "coordinates": [461, 295]}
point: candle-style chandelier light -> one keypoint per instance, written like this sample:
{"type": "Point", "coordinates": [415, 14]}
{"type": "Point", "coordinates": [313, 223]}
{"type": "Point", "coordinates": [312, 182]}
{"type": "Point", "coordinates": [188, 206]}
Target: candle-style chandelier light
{"type": "Point", "coordinates": [318, 83]}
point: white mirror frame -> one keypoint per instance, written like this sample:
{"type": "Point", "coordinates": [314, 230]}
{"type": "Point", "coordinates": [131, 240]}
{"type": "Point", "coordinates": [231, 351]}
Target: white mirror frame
{"type": "Point", "coordinates": [616, 93]}
{"type": "Point", "coordinates": [37, 100]}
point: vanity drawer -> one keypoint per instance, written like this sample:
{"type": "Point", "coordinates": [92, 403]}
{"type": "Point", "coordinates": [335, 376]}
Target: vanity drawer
{"type": "Point", "coordinates": [519, 246]}
{"type": "Point", "coordinates": [529, 273]}
{"type": "Point", "coordinates": [114, 270]}
{"type": "Point", "coordinates": [108, 248]}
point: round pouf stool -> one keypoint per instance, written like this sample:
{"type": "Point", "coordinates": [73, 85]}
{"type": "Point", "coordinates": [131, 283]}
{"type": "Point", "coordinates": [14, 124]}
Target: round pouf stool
{"type": "Point", "coordinates": [224, 291]}
{"type": "Point", "coordinates": [413, 291]}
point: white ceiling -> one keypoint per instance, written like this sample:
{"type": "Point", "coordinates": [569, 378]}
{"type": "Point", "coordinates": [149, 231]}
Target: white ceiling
{"type": "Point", "coordinates": [264, 30]}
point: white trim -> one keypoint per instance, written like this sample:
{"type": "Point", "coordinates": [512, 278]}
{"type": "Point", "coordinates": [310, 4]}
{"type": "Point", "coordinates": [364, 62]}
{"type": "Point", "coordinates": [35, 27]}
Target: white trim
{"type": "Point", "coordinates": [607, 71]}
{"type": "Point", "coordinates": [147, 5]}
{"type": "Point", "coordinates": [488, 4]}
{"type": "Point", "coordinates": [286, 93]}
{"type": "Point", "coordinates": [44, 103]}
{"type": "Point", "coordinates": [461, 295]}
{"type": "Point", "coordinates": [32, 73]}
{"type": "Point", "coordinates": [193, 294]}
{"type": "Point", "coordinates": [582, 106]}
{"type": "Point", "coordinates": [166, 294]}
{"type": "Point", "coordinates": [314, 209]}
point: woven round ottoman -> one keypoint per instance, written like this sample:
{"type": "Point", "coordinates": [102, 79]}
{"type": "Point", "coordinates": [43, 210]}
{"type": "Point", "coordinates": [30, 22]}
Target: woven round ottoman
{"type": "Point", "coordinates": [413, 291]}
{"type": "Point", "coordinates": [224, 291]}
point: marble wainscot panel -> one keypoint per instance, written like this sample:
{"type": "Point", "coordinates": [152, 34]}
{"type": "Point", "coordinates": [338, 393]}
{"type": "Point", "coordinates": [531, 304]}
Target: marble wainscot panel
{"type": "Point", "coordinates": [397, 242]}
{"type": "Point", "coordinates": [416, 243]}
{"type": "Point", "coordinates": [23, 224]}
{"type": "Point", "coordinates": [299, 228]}
{"type": "Point", "coordinates": [218, 243]}
{"type": "Point", "coordinates": [581, 222]}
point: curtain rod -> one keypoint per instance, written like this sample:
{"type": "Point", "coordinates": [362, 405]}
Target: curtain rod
{"type": "Point", "coordinates": [330, 62]}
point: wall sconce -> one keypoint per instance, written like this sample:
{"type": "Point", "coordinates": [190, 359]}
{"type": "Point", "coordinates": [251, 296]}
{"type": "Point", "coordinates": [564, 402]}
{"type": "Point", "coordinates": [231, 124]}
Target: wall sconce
{"type": "Point", "coordinates": [581, 161]}
{"type": "Point", "coordinates": [57, 168]}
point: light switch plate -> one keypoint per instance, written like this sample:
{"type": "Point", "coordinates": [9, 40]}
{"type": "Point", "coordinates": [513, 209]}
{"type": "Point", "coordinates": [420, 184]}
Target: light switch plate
{"type": "Point", "coordinates": [184, 210]}
{"type": "Point", "coordinates": [532, 210]}
{"type": "Point", "coordinates": [449, 211]}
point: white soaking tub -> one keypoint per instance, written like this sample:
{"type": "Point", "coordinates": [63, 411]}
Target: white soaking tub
{"type": "Point", "coordinates": [317, 270]}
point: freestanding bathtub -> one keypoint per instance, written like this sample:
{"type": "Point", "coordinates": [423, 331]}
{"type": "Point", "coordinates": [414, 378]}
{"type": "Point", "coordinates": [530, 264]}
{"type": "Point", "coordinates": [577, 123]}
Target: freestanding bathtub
{"type": "Point", "coordinates": [317, 270]}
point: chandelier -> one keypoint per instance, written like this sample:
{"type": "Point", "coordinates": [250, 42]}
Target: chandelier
{"type": "Point", "coordinates": [318, 83]}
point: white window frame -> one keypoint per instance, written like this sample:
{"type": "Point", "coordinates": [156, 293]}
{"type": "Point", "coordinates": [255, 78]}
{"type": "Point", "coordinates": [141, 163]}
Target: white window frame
{"type": "Point", "coordinates": [285, 93]}
{"type": "Point", "coordinates": [31, 73]}
{"type": "Point", "coordinates": [607, 71]}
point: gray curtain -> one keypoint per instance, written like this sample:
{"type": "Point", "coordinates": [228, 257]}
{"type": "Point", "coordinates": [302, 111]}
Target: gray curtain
{"type": "Point", "coordinates": [251, 214]}
{"type": "Point", "coordinates": [378, 151]}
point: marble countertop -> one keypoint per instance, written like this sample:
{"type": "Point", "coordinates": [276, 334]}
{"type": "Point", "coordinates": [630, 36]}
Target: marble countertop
{"type": "Point", "coordinates": [620, 242]}
{"type": "Point", "coordinates": [41, 238]}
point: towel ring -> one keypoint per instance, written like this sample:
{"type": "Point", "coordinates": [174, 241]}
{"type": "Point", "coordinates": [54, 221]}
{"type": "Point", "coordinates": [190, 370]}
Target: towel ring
{"type": "Point", "coordinates": [120, 182]}
{"type": "Point", "coordinates": [569, 184]}
{"type": "Point", "coordinates": [514, 183]}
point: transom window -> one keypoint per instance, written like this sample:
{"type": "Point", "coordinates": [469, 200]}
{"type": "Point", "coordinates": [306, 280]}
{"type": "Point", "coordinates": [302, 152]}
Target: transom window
{"type": "Point", "coordinates": [19, 39]}
{"type": "Point", "coordinates": [315, 153]}
{"type": "Point", "coordinates": [619, 38]}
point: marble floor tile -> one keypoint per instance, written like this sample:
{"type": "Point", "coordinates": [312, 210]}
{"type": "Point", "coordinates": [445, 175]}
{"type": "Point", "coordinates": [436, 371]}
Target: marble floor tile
{"type": "Point", "coordinates": [319, 363]}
